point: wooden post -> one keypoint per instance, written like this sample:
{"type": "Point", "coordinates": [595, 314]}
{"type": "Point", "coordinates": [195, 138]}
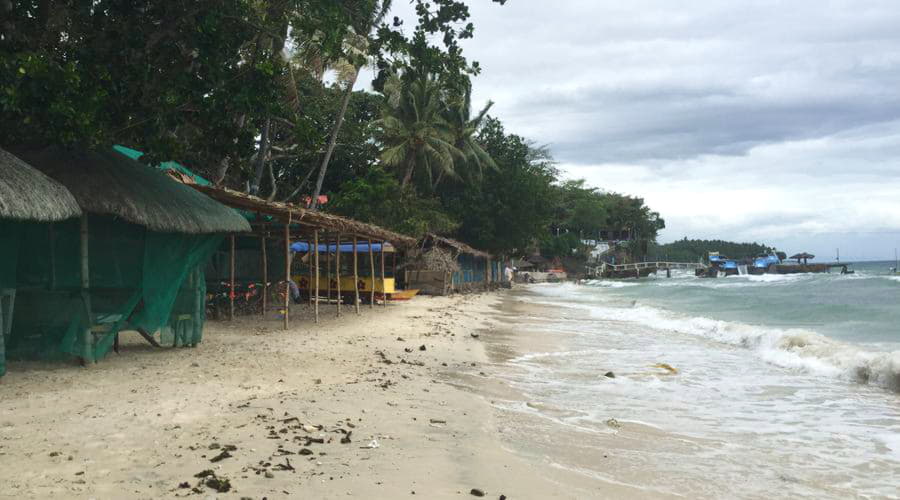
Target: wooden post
{"type": "Point", "coordinates": [337, 272]}
{"type": "Point", "coordinates": [383, 283]}
{"type": "Point", "coordinates": [86, 341]}
{"type": "Point", "coordinates": [309, 261]}
{"type": "Point", "coordinates": [287, 272]}
{"type": "Point", "coordinates": [316, 238]}
{"type": "Point", "coordinates": [328, 268]}
{"type": "Point", "coordinates": [372, 275]}
{"type": "Point", "coordinates": [355, 276]}
{"type": "Point", "coordinates": [265, 273]}
{"type": "Point", "coordinates": [231, 291]}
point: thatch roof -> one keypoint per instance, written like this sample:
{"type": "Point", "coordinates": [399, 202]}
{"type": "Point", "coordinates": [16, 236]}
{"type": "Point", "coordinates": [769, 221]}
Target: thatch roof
{"type": "Point", "coordinates": [304, 217]}
{"type": "Point", "coordinates": [459, 246]}
{"type": "Point", "coordinates": [28, 194]}
{"type": "Point", "coordinates": [803, 255]}
{"type": "Point", "coordinates": [108, 183]}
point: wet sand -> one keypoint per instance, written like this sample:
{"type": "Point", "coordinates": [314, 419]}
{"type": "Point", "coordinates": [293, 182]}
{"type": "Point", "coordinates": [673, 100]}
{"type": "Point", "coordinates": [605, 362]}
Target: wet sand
{"type": "Point", "coordinates": [353, 407]}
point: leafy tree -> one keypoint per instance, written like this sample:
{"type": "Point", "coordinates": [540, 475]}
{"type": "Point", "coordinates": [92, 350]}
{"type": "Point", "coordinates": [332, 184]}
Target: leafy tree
{"type": "Point", "coordinates": [194, 81]}
{"type": "Point", "coordinates": [508, 209]}
{"type": "Point", "coordinates": [686, 250]}
{"type": "Point", "coordinates": [348, 71]}
{"type": "Point", "coordinates": [379, 199]}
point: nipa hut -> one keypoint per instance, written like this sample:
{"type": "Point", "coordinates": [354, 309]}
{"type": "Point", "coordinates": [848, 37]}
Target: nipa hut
{"type": "Point", "coordinates": [28, 198]}
{"type": "Point", "coordinates": [132, 261]}
{"type": "Point", "coordinates": [443, 265]}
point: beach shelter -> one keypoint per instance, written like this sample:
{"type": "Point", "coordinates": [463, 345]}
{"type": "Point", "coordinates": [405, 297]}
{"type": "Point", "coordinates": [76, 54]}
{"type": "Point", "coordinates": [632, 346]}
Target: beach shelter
{"type": "Point", "coordinates": [803, 256]}
{"type": "Point", "coordinates": [132, 261]}
{"type": "Point", "coordinates": [446, 265]}
{"type": "Point", "coordinates": [27, 197]}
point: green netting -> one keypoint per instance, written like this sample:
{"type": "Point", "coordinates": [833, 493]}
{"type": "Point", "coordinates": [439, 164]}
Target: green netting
{"type": "Point", "coordinates": [139, 280]}
{"type": "Point", "coordinates": [10, 234]}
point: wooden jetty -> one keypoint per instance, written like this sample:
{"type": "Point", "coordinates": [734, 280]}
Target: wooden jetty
{"type": "Point", "coordinates": [639, 269]}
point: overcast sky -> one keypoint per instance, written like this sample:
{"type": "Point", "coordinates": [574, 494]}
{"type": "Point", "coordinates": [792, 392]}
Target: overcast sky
{"type": "Point", "coordinates": [770, 121]}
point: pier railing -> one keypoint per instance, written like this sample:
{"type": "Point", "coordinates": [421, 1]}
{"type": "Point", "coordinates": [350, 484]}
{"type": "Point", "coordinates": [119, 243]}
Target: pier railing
{"type": "Point", "coordinates": [637, 266]}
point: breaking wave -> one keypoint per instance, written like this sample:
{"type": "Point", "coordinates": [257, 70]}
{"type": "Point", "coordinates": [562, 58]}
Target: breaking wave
{"type": "Point", "coordinates": [795, 348]}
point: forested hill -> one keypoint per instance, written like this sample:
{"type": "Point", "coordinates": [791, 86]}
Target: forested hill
{"type": "Point", "coordinates": [692, 250]}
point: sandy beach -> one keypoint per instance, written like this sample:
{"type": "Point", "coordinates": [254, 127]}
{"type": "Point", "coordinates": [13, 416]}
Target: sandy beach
{"type": "Point", "coordinates": [373, 406]}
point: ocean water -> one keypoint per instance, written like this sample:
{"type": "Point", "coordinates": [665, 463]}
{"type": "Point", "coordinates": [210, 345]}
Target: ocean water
{"type": "Point", "coordinates": [746, 386]}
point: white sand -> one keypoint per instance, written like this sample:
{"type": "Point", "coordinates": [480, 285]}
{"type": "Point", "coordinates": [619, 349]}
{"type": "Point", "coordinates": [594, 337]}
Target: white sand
{"type": "Point", "coordinates": [138, 424]}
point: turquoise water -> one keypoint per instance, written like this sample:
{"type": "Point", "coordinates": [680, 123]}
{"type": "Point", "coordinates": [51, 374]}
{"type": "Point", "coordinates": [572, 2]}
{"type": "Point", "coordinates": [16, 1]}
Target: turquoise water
{"type": "Point", "coordinates": [860, 308]}
{"type": "Point", "coordinates": [786, 386]}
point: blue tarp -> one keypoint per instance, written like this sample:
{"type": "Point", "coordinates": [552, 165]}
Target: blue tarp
{"type": "Point", "coordinates": [765, 262]}
{"type": "Point", "coordinates": [303, 247]}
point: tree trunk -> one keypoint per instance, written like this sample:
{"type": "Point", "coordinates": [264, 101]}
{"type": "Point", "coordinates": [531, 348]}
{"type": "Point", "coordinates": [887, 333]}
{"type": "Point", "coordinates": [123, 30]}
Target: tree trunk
{"type": "Point", "coordinates": [339, 120]}
{"type": "Point", "coordinates": [261, 157]}
{"type": "Point", "coordinates": [222, 170]}
{"type": "Point", "coordinates": [410, 165]}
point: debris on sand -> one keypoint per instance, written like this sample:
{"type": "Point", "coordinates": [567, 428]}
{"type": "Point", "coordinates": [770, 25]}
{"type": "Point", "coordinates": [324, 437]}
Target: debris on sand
{"type": "Point", "coordinates": [665, 366]}
{"type": "Point", "coordinates": [609, 375]}
{"type": "Point", "coordinates": [477, 492]}
{"type": "Point", "coordinates": [210, 480]}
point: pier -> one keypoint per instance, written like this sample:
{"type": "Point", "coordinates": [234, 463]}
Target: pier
{"type": "Point", "coordinates": [639, 269]}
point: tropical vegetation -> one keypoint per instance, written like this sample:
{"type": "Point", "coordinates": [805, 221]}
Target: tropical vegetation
{"type": "Point", "coordinates": [261, 96]}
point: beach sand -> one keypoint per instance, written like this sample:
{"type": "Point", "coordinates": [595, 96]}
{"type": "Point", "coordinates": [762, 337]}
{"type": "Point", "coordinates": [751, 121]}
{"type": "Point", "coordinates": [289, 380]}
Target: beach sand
{"type": "Point", "coordinates": [271, 408]}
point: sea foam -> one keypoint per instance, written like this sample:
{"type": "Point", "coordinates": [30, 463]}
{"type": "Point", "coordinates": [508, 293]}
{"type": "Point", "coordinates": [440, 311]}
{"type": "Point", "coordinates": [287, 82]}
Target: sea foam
{"type": "Point", "coordinates": [794, 348]}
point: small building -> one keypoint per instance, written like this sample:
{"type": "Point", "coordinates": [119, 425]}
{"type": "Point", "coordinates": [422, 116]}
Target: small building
{"type": "Point", "coordinates": [132, 261]}
{"type": "Point", "coordinates": [444, 266]}
{"type": "Point", "coordinates": [28, 200]}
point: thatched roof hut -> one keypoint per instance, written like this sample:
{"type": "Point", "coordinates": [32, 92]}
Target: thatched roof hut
{"type": "Point", "coordinates": [27, 194]}
{"type": "Point", "coordinates": [108, 183]}
{"type": "Point", "coordinates": [458, 246]}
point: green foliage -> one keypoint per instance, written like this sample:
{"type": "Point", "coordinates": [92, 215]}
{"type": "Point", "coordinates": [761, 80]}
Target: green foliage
{"type": "Point", "coordinates": [378, 198]}
{"type": "Point", "coordinates": [413, 130]}
{"type": "Point", "coordinates": [179, 80]}
{"type": "Point", "coordinates": [693, 250]}
{"type": "Point", "coordinates": [508, 209]}
{"type": "Point", "coordinates": [208, 83]}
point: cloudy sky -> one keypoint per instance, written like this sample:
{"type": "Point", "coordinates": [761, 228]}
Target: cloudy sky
{"type": "Point", "coordinates": [770, 121]}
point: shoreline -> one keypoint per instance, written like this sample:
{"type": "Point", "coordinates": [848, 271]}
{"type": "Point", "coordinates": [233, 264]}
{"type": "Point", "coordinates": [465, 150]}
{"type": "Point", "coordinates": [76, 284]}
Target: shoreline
{"type": "Point", "coordinates": [144, 423]}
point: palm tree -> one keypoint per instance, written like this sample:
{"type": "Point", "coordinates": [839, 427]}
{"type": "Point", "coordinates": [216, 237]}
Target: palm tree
{"type": "Point", "coordinates": [413, 129]}
{"type": "Point", "coordinates": [356, 46]}
{"type": "Point", "coordinates": [463, 129]}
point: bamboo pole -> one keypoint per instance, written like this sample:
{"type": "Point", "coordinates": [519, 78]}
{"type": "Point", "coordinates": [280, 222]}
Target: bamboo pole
{"type": "Point", "coordinates": [287, 272]}
{"type": "Point", "coordinates": [316, 238]}
{"type": "Point", "coordinates": [337, 272]}
{"type": "Point", "coordinates": [328, 268]}
{"type": "Point", "coordinates": [355, 276]}
{"type": "Point", "coordinates": [231, 280]}
{"type": "Point", "coordinates": [309, 261]}
{"type": "Point", "coordinates": [383, 283]}
{"type": "Point", "coordinates": [372, 275]}
{"type": "Point", "coordinates": [265, 273]}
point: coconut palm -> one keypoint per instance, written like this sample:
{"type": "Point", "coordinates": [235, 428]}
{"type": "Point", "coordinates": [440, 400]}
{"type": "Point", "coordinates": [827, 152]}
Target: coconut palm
{"type": "Point", "coordinates": [414, 131]}
{"type": "Point", "coordinates": [356, 46]}
{"type": "Point", "coordinates": [463, 129]}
